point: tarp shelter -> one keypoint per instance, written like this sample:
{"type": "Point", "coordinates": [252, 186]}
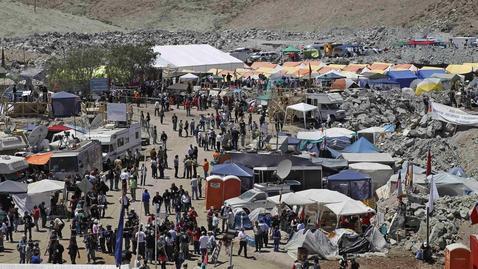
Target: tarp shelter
{"type": "Point", "coordinates": [65, 104]}
{"type": "Point", "coordinates": [196, 58]}
{"type": "Point", "coordinates": [329, 133]}
{"type": "Point", "coordinates": [39, 158]}
{"type": "Point", "coordinates": [233, 169]}
{"type": "Point", "coordinates": [459, 69]}
{"type": "Point", "coordinates": [380, 173]}
{"type": "Point", "coordinates": [259, 214]}
{"type": "Point", "coordinates": [343, 83]}
{"type": "Point", "coordinates": [351, 183]}
{"type": "Point", "coordinates": [331, 75]}
{"type": "Point", "coordinates": [45, 185]}
{"type": "Point", "coordinates": [349, 208]}
{"type": "Point", "coordinates": [457, 171]}
{"type": "Point", "coordinates": [188, 77]}
{"type": "Point", "coordinates": [451, 185]}
{"type": "Point", "coordinates": [291, 198]}
{"type": "Point", "coordinates": [402, 77]}
{"type": "Point", "coordinates": [384, 158]}
{"type": "Point", "coordinates": [428, 85]}
{"type": "Point", "coordinates": [13, 187]}
{"type": "Point", "coordinates": [315, 241]}
{"type": "Point", "coordinates": [301, 107]}
{"type": "Point", "coordinates": [362, 145]}
{"type": "Point", "coordinates": [428, 73]}
{"type": "Point", "coordinates": [290, 49]}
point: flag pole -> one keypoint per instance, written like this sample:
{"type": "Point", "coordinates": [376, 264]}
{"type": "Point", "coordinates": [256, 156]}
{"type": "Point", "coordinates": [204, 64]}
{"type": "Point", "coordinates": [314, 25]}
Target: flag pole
{"type": "Point", "coordinates": [428, 226]}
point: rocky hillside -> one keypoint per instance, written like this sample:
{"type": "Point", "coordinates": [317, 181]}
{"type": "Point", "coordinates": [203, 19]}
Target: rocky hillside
{"type": "Point", "coordinates": [458, 16]}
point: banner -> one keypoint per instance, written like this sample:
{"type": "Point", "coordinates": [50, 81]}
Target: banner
{"type": "Point", "coordinates": [452, 115]}
{"type": "Point", "coordinates": [119, 238]}
{"type": "Point", "coordinates": [99, 85]}
{"type": "Point", "coordinates": [116, 112]}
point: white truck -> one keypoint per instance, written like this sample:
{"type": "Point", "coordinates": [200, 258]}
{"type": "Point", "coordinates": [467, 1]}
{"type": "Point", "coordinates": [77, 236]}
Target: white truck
{"type": "Point", "coordinates": [328, 104]}
{"type": "Point", "coordinates": [257, 197]}
{"type": "Point", "coordinates": [117, 141]}
{"type": "Point", "coordinates": [79, 160]}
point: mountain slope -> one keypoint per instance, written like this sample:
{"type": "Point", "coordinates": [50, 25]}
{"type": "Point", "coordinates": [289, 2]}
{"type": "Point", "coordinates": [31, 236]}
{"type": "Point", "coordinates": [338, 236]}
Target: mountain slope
{"type": "Point", "coordinates": [19, 19]}
{"type": "Point", "coordinates": [459, 16]}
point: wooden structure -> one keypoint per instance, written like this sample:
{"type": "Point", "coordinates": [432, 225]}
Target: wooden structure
{"type": "Point", "coordinates": [25, 109]}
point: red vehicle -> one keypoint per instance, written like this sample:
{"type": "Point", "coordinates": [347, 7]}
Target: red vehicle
{"type": "Point", "coordinates": [422, 42]}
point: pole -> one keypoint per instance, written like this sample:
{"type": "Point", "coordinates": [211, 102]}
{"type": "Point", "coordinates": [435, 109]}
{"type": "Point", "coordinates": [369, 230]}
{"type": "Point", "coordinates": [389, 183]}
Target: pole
{"type": "Point", "coordinates": [230, 257]}
{"type": "Point", "coordinates": [156, 242]}
{"type": "Point", "coordinates": [428, 226]}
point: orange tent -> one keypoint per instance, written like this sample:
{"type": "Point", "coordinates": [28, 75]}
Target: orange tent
{"type": "Point", "coordinates": [39, 158]}
{"type": "Point", "coordinates": [291, 64]}
{"type": "Point", "coordinates": [326, 69]}
{"type": "Point", "coordinates": [256, 65]}
{"type": "Point", "coordinates": [354, 68]}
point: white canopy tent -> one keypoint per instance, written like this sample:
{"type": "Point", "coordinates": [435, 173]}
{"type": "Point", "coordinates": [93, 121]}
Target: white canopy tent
{"type": "Point", "coordinates": [38, 192]}
{"type": "Point", "coordinates": [301, 107]}
{"type": "Point", "coordinates": [291, 198]}
{"type": "Point", "coordinates": [329, 133]}
{"type": "Point", "coordinates": [196, 58]}
{"type": "Point", "coordinates": [349, 208]}
{"type": "Point", "coordinates": [188, 77]}
{"type": "Point", "coordinates": [45, 185]}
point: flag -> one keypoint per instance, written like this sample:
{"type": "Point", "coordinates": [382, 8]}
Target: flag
{"type": "Point", "coordinates": [433, 196]}
{"type": "Point", "coordinates": [310, 71]}
{"type": "Point", "coordinates": [119, 238]}
{"type": "Point", "coordinates": [429, 163]}
{"type": "Point", "coordinates": [474, 214]}
{"type": "Point", "coordinates": [399, 185]}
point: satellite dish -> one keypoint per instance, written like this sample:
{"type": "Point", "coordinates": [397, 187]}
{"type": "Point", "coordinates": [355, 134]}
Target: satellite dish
{"type": "Point", "coordinates": [283, 169]}
{"type": "Point", "coordinates": [37, 135]}
{"type": "Point", "coordinates": [96, 122]}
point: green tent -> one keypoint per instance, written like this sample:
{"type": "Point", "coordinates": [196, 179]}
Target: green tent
{"type": "Point", "coordinates": [291, 49]}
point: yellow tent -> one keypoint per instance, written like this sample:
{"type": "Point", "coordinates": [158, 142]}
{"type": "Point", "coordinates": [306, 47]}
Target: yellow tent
{"type": "Point", "coordinates": [337, 66]}
{"type": "Point", "coordinates": [474, 66]}
{"type": "Point", "coordinates": [426, 67]}
{"type": "Point", "coordinates": [459, 69]}
{"type": "Point", "coordinates": [428, 85]}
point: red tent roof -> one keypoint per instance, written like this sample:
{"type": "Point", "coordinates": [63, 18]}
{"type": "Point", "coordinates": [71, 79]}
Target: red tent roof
{"type": "Point", "coordinates": [58, 128]}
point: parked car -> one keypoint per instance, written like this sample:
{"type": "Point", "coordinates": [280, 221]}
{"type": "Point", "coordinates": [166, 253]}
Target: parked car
{"type": "Point", "coordinates": [256, 197]}
{"type": "Point", "coordinates": [328, 104]}
{"type": "Point", "coordinates": [264, 56]}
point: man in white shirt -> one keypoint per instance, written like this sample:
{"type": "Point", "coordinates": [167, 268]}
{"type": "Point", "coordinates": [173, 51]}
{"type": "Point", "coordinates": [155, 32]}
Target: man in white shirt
{"type": "Point", "coordinates": [203, 242]}
{"type": "Point", "coordinates": [242, 243]}
{"type": "Point", "coordinates": [265, 232]}
{"type": "Point", "coordinates": [157, 105]}
{"type": "Point", "coordinates": [141, 239]}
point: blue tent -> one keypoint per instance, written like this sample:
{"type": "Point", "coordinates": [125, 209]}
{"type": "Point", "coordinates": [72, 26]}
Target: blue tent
{"type": "Point", "coordinates": [376, 82]}
{"type": "Point", "coordinates": [65, 104]}
{"type": "Point", "coordinates": [360, 146]}
{"type": "Point", "coordinates": [354, 184]}
{"type": "Point", "coordinates": [403, 77]}
{"type": "Point", "coordinates": [428, 73]}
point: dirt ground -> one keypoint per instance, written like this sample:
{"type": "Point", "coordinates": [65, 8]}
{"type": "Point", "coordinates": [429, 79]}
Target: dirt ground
{"type": "Point", "coordinates": [177, 145]}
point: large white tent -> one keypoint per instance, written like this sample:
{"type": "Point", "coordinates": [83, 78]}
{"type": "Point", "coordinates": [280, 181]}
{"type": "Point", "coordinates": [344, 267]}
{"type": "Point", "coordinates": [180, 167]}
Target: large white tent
{"type": "Point", "coordinates": [301, 107]}
{"type": "Point", "coordinates": [12, 187]}
{"type": "Point", "coordinates": [349, 208]}
{"type": "Point", "coordinates": [196, 57]}
{"type": "Point", "coordinates": [38, 192]}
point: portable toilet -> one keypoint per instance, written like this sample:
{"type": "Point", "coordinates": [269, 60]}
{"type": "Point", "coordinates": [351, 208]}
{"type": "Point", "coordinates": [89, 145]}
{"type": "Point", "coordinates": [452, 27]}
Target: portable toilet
{"type": "Point", "coordinates": [232, 187]}
{"type": "Point", "coordinates": [474, 251]}
{"type": "Point", "coordinates": [457, 256]}
{"type": "Point", "coordinates": [214, 192]}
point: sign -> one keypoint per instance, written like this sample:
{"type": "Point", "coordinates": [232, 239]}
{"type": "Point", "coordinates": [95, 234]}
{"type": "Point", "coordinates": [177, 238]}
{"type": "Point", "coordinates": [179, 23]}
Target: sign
{"type": "Point", "coordinates": [215, 185]}
{"type": "Point", "coordinates": [99, 84]}
{"type": "Point", "coordinates": [116, 112]}
{"type": "Point", "coordinates": [452, 115]}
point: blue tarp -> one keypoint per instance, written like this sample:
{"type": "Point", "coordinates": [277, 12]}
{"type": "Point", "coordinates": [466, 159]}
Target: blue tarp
{"type": "Point", "coordinates": [65, 104]}
{"type": "Point", "coordinates": [292, 140]}
{"type": "Point", "coordinates": [233, 169]}
{"type": "Point", "coordinates": [376, 82]}
{"type": "Point", "coordinates": [427, 73]}
{"type": "Point", "coordinates": [457, 171]}
{"type": "Point", "coordinates": [403, 77]}
{"type": "Point", "coordinates": [241, 220]}
{"type": "Point", "coordinates": [349, 175]}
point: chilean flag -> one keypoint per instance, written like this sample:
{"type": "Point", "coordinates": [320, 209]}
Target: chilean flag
{"type": "Point", "coordinates": [474, 214]}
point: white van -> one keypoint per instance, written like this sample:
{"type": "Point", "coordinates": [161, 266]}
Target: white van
{"type": "Point", "coordinates": [65, 138]}
{"type": "Point", "coordinates": [115, 142]}
{"type": "Point", "coordinates": [328, 104]}
{"type": "Point", "coordinates": [77, 161]}
{"type": "Point", "coordinates": [12, 167]}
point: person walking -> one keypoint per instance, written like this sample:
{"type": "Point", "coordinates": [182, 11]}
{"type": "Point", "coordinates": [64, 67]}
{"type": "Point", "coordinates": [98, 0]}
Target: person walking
{"type": "Point", "coordinates": [73, 250]}
{"type": "Point", "coordinates": [161, 116]}
{"type": "Point", "coordinates": [145, 199]}
{"type": "Point", "coordinates": [22, 249]}
{"type": "Point", "coordinates": [28, 224]}
{"type": "Point", "coordinates": [186, 128]}
{"type": "Point", "coordinates": [133, 185]}
{"type": "Point", "coordinates": [242, 243]}
{"type": "Point", "coordinates": [176, 166]}
{"type": "Point", "coordinates": [205, 167]}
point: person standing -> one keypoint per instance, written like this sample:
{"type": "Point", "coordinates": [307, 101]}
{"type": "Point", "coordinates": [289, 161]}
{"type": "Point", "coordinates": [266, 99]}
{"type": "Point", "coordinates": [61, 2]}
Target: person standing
{"type": "Point", "coordinates": [205, 167]}
{"type": "Point", "coordinates": [265, 232]}
{"type": "Point", "coordinates": [276, 237]}
{"type": "Point", "coordinates": [157, 202]}
{"type": "Point", "coordinates": [161, 116]}
{"type": "Point", "coordinates": [180, 128]}
{"type": "Point", "coordinates": [186, 128]}
{"type": "Point", "coordinates": [28, 223]}
{"type": "Point", "coordinates": [242, 243]}
{"type": "Point", "coordinates": [164, 139]}
{"type": "Point", "coordinates": [257, 236]}
{"type": "Point", "coordinates": [36, 217]}
{"type": "Point", "coordinates": [155, 135]}
{"type": "Point", "coordinates": [141, 240]}
{"type": "Point", "coordinates": [143, 170]}
{"type": "Point", "coordinates": [174, 120]}
{"type": "Point", "coordinates": [145, 199]}
{"type": "Point", "coordinates": [200, 186]}
{"type": "Point", "coordinates": [22, 249]}
{"type": "Point", "coordinates": [203, 242]}
{"type": "Point", "coordinates": [194, 188]}
{"type": "Point", "coordinates": [156, 108]}
{"type": "Point", "coordinates": [73, 250]}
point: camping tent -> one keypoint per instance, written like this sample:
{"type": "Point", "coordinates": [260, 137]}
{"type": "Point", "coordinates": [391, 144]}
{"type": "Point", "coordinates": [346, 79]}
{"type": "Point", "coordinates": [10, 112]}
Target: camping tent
{"type": "Point", "coordinates": [241, 219]}
{"type": "Point", "coordinates": [195, 57]}
{"type": "Point", "coordinates": [371, 134]}
{"type": "Point", "coordinates": [349, 208]}
{"type": "Point", "coordinates": [65, 104]}
{"type": "Point", "coordinates": [259, 214]}
{"type": "Point", "coordinates": [379, 173]}
{"type": "Point", "coordinates": [403, 77]}
{"type": "Point", "coordinates": [428, 73]}
{"type": "Point", "coordinates": [351, 183]}
{"type": "Point", "coordinates": [362, 145]}
{"type": "Point", "coordinates": [428, 85]}
{"type": "Point", "coordinates": [13, 187]}
{"type": "Point", "coordinates": [290, 49]}
{"type": "Point", "coordinates": [301, 107]}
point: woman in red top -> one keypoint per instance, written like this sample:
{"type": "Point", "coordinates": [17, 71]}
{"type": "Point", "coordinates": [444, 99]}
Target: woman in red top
{"type": "Point", "coordinates": [196, 234]}
{"type": "Point", "coordinates": [36, 216]}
